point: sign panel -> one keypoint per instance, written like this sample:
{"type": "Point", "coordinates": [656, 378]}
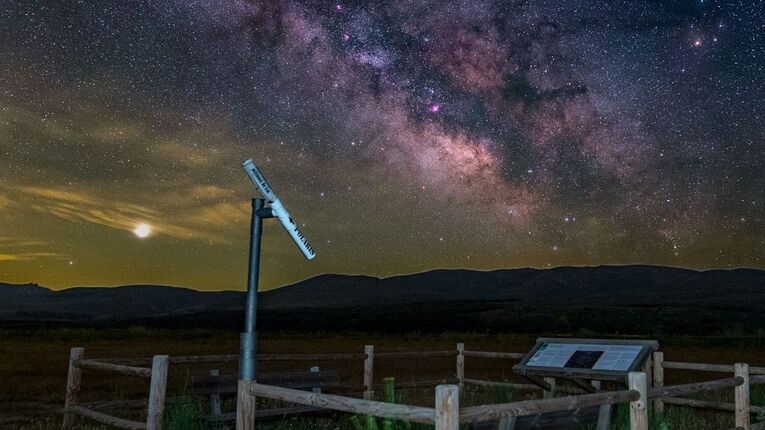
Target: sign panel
{"type": "Point", "coordinates": [585, 358]}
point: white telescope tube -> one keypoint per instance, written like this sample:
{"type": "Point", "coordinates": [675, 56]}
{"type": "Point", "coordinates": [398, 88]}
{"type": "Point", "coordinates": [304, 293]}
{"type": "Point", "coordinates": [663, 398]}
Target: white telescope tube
{"type": "Point", "coordinates": [278, 210]}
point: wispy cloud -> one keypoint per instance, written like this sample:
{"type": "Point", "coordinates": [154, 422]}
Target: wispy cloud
{"type": "Point", "coordinates": [78, 206]}
{"type": "Point", "coordinates": [15, 242]}
{"type": "Point", "coordinates": [30, 256]}
{"type": "Point", "coordinates": [211, 192]}
{"type": "Point", "coordinates": [58, 195]}
{"type": "Point", "coordinates": [5, 202]}
{"type": "Point", "coordinates": [25, 249]}
{"type": "Point", "coordinates": [221, 214]}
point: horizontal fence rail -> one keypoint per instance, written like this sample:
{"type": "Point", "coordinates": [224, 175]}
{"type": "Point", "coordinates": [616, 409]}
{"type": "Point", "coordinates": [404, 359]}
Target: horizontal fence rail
{"type": "Point", "coordinates": [309, 357]}
{"type": "Point", "coordinates": [225, 358]}
{"type": "Point", "coordinates": [487, 354]}
{"type": "Point", "coordinates": [346, 389]}
{"type": "Point", "coordinates": [107, 419]}
{"type": "Point", "coordinates": [513, 385]}
{"type": "Point", "coordinates": [106, 404]}
{"type": "Point", "coordinates": [694, 388]}
{"type": "Point", "coordinates": [190, 359]}
{"type": "Point", "coordinates": [346, 404]}
{"type": "Point", "coordinates": [522, 387]}
{"type": "Point", "coordinates": [412, 384]}
{"type": "Point", "coordinates": [704, 367]}
{"type": "Point", "coordinates": [533, 407]}
{"type": "Point", "coordinates": [404, 354]}
{"type": "Point", "coordinates": [231, 358]}
{"type": "Point", "coordinates": [708, 404]}
{"type": "Point", "coordinates": [101, 365]}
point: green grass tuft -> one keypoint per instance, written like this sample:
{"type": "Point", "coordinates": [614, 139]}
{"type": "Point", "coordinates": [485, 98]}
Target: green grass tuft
{"type": "Point", "coordinates": [184, 413]}
{"type": "Point", "coordinates": [676, 418]}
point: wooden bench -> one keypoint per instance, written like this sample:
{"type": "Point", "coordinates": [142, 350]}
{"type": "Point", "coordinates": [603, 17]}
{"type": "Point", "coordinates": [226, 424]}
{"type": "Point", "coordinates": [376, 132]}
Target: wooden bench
{"type": "Point", "coordinates": [216, 385]}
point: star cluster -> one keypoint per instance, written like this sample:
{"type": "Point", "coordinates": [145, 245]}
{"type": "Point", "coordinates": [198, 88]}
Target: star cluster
{"type": "Point", "coordinates": [403, 135]}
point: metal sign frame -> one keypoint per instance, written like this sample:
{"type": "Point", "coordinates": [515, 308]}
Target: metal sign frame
{"type": "Point", "coordinates": [647, 348]}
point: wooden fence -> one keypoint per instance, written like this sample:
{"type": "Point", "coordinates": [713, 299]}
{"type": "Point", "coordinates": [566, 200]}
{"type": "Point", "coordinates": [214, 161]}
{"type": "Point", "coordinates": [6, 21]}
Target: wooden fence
{"type": "Point", "coordinates": [644, 389]}
{"type": "Point", "coordinates": [741, 407]}
{"type": "Point", "coordinates": [157, 375]}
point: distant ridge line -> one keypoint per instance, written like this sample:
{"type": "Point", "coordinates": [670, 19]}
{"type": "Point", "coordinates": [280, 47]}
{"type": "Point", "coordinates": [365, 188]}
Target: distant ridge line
{"type": "Point", "coordinates": [527, 299]}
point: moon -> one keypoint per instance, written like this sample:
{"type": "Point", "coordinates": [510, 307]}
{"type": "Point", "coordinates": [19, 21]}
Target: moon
{"type": "Point", "coordinates": [142, 231]}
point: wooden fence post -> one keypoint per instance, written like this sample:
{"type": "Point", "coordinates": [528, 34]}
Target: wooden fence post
{"type": "Point", "coordinates": [648, 370]}
{"type": "Point", "coordinates": [369, 359]}
{"type": "Point", "coordinates": [157, 391]}
{"type": "Point", "coordinates": [215, 409]}
{"type": "Point", "coordinates": [447, 407]}
{"type": "Point", "coordinates": [73, 380]}
{"type": "Point", "coordinates": [316, 369]}
{"type": "Point", "coordinates": [507, 423]}
{"type": "Point", "coordinates": [604, 411]}
{"type": "Point", "coordinates": [245, 406]}
{"type": "Point", "coordinates": [742, 396]}
{"type": "Point", "coordinates": [638, 381]}
{"type": "Point", "coordinates": [549, 394]}
{"type": "Point", "coordinates": [658, 378]}
{"type": "Point", "coordinates": [460, 365]}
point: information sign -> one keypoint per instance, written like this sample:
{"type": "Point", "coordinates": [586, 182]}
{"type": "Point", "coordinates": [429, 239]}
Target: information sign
{"type": "Point", "coordinates": [586, 358]}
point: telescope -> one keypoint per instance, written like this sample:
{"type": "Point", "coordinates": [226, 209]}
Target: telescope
{"type": "Point", "coordinates": [278, 210]}
{"type": "Point", "coordinates": [248, 340]}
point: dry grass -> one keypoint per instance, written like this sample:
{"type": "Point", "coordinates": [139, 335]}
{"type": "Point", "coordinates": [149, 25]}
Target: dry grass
{"type": "Point", "coordinates": [33, 362]}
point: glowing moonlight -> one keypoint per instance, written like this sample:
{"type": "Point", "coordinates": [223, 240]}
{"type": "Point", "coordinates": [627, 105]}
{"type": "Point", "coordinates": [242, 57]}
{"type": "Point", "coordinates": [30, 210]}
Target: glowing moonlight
{"type": "Point", "coordinates": [142, 230]}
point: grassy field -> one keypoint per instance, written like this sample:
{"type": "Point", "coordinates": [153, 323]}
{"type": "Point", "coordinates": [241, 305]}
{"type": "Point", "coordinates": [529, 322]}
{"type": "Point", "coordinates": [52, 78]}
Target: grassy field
{"type": "Point", "coordinates": [33, 365]}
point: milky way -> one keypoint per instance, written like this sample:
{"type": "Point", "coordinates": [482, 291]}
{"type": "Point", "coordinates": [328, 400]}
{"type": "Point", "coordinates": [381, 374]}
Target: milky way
{"type": "Point", "coordinates": [405, 135]}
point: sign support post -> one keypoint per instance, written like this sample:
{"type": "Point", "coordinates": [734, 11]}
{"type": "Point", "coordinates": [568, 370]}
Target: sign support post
{"type": "Point", "coordinates": [248, 341]}
{"type": "Point", "coordinates": [249, 338]}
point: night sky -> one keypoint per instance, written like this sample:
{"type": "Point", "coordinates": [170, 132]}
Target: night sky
{"type": "Point", "coordinates": [402, 136]}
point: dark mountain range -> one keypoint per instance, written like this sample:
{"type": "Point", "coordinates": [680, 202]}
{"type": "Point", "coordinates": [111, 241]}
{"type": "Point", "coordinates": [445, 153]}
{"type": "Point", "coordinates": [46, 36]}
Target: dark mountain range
{"type": "Point", "coordinates": [636, 299]}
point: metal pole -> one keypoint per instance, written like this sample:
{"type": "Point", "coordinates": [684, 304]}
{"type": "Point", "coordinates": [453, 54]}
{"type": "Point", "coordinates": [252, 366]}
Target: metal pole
{"type": "Point", "coordinates": [249, 339]}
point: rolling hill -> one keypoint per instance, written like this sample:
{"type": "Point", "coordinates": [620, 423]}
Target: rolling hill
{"type": "Point", "coordinates": [601, 299]}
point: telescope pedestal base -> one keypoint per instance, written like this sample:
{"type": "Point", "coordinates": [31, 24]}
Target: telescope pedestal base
{"type": "Point", "coordinates": [248, 343]}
